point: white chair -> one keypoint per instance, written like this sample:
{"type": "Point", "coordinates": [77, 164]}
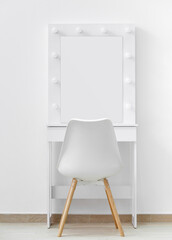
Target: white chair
{"type": "Point", "coordinates": [90, 154]}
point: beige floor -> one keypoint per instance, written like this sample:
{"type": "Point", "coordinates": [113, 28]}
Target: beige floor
{"type": "Point", "coordinates": [36, 231]}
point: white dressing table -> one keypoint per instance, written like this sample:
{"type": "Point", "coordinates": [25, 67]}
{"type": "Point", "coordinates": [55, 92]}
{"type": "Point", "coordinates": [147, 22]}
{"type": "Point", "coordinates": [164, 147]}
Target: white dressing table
{"type": "Point", "coordinates": [91, 76]}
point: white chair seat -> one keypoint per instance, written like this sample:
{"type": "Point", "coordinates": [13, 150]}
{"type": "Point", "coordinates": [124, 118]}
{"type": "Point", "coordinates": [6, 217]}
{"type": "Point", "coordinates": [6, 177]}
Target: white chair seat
{"type": "Point", "coordinates": [84, 172]}
{"type": "Point", "coordinates": [90, 151]}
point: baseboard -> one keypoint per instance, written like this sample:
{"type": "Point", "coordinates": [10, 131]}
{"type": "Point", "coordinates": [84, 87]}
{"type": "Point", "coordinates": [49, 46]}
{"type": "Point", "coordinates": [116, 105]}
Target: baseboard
{"type": "Point", "coordinates": [42, 218]}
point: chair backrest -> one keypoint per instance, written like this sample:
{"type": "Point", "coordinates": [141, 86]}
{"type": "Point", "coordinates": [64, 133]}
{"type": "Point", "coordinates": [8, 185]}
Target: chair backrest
{"type": "Point", "coordinates": [90, 150]}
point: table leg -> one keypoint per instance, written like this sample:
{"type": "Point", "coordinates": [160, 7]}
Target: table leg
{"type": "Point", "coordinates": [49, 184]}
{"type": "Point", "coordinates": [134, 186]}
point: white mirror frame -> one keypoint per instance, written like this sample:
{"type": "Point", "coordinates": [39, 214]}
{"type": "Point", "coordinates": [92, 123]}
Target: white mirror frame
{"type": "Point", "coordinates": [56, 31]}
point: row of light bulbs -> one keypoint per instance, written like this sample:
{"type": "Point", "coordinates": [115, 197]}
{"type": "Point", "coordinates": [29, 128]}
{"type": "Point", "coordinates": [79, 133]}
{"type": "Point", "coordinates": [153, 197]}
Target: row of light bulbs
{"type": "Point", "coordinates": [56, 81]}
{"type": "Point", "coordinates": [55, 55]}
{"type": "Point", "coordinates": [103, 30]}
{"type": "Point", "coordinates": [55, 106]}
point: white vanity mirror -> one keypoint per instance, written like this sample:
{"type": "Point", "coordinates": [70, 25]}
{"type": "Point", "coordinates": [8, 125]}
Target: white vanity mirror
{"type": "Point", "coordinates": [91, 73]}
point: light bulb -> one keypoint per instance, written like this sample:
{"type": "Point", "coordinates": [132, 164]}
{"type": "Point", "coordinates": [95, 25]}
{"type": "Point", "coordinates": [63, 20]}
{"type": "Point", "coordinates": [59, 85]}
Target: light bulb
{"type": "Point", "coordinates": [55, 55]}
{"type": "Point", "coordinates": [55, 106]}
{"type": "Point", "coordinates": [55, 30]}
{"type": "Point", "coordinates": [79, 30]}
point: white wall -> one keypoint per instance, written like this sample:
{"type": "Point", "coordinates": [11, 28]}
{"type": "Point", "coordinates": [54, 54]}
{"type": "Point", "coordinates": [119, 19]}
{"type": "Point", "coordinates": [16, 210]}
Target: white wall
{"type": "Point", "coordinates": [23, 96]}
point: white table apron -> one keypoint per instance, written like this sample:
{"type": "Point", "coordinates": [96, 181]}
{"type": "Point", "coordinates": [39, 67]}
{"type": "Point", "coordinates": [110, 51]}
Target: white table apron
{"type": "Point", "coordinates": [123, 134]}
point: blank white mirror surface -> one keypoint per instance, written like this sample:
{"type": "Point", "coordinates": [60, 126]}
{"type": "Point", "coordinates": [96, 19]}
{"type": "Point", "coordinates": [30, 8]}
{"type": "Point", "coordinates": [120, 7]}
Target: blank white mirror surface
{"type": "Point", "coordinates": [91, 78]}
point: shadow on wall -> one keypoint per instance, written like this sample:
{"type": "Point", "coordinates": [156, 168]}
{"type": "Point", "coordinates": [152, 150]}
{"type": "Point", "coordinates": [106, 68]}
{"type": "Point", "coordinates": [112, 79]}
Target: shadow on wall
{"type": "Point", "coordinates": [154, 116]}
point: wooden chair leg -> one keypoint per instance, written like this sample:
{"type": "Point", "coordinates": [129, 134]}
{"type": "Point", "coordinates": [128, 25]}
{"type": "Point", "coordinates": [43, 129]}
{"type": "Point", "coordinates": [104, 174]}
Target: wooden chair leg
{"type": "Point", "coordinates": [67, 206]}
{"type": "Point", "coordinates": [111, 210]}
{"type": "Point", "coordinates": [112, 203]}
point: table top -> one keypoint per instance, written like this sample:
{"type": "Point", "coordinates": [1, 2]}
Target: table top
{"type": "Point", "coordinates": [116, 125]}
